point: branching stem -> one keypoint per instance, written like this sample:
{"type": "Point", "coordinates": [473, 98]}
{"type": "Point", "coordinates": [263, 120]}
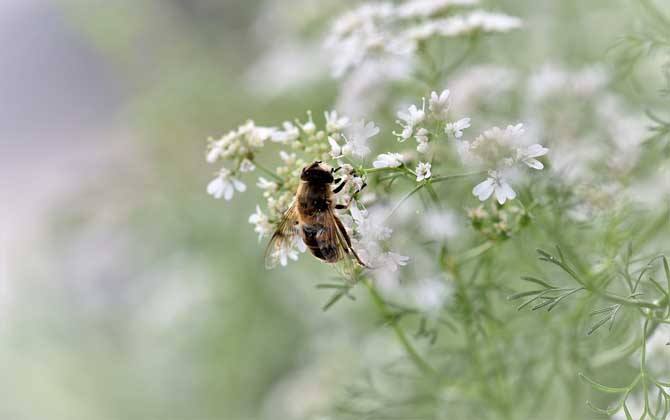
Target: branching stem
{"type": "Point", "coordinates": [397, 329]}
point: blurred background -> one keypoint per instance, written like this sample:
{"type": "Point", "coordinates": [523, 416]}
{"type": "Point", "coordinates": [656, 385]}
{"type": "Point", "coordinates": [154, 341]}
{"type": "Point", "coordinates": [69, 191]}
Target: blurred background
{"type": "Point", "coordinates": [125, 291]}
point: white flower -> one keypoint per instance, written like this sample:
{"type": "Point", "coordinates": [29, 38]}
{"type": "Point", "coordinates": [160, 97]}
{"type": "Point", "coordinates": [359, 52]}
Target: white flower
{"type": "Point", "coordinates": [261, 222]}
{"type": "Point", "coordinates": [289, 134]}
{"type": "Point", "coordinates": [357, 137]}
{"type": "Point", "coordinates": [427, 8]}
{"type": "Point", "coordinates": [224, 185]}
{"type": "Point", "coordinates": [264, 184]}
{"type": "Point", "coordinates": [422, 147]}
{"type": "Point", "coordinates": [390, 261]}
{"type": "Point", "coordinates": [422, 171]}
{"type": "Point", "coordinates": [456, 128]}
{"type": "Point", "coordinates": [288, 158]}
{"type": "Point", "coordinates": [335, 148]}
{"type": "Point", "coordinates": [286, 253]}
{"type": "Point", "coordinates": [215, 149]}
{"type": "Point", "coordinates": [439, 104]}
{"type": "Point", "coordinates": [335, 123]}
{"type": "Point", "coordinates": [309, 127]}
{"type": "Point", "coordinates": [247, 166]}
{"type": "Point", "coordinates": [430, 295]}
{"type": "Point", "coordinates": [388, 160]}
{"type": "Point", "coordinates": [422, 140]}
{"type": "Point", "coordinates": [528, 154]}
{"type": "Point", "coordinates": [495, 183]}
{"type": "Point", "coordinates": [409, 119]}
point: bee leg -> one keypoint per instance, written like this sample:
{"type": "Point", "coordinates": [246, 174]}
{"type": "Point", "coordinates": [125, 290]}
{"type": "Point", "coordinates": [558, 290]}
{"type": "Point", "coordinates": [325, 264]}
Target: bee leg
{"type": "Point", "coordinates": [339, 187]}
{"type": "Point", "coordinates": [333, 170]}
{"type": "Point", "coordinates": [365, 184]}
{"type": "Point", "coordinates": [336, 180]}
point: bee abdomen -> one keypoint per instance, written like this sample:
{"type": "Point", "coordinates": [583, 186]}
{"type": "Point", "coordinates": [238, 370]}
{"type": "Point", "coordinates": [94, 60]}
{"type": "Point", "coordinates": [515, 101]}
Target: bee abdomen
{"type": "Point", "coordinates": [315, 239]}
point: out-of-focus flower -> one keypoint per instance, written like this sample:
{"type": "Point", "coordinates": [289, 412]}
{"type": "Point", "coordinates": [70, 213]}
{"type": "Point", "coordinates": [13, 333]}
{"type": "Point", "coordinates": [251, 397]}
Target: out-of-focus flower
{"type": "Point", "coordinates": [224, 185]}
{"type": "Point", "coordinates": [528, 154]}
{"type": "Point", "coordinates": [388, 160]}
{"type": "Point", "coordinates": [247, 166]}
{"type": "Point", "coordinates": [287, 135]}
{"type": "Point", "coordinates": [357, 137]}
{"type": "Point", "coordinates": [422, 140]}
{"type": "Point", "coordinates": [426, 8]}
{"type": "Point", "coordinates": [423, 171]}
{"type": "Point", "coordinates": [439, 104]}
{"type": "Point", "coordinates": [334, 122]}
{"type": "Point", "coordinates": [456, 128]}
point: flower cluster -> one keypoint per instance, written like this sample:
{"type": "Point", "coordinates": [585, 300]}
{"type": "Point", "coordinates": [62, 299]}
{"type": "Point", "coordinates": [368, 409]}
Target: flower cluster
{"type": "Point", "coordinates": [500, 151]}
{"type": "Point", "coordinates": [376, 30]}
{"type": "Point", "coordinates": [427, 125]}
{"type": "Point", "coordinates": [497, 151]}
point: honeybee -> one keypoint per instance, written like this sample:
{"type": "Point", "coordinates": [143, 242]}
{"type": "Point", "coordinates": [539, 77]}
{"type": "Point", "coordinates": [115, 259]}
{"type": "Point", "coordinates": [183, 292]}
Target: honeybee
{"type": "Point", "coordinates": [312, 218]}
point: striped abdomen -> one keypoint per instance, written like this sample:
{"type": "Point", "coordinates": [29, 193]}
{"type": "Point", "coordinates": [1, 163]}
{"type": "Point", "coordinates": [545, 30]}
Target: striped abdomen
{"type": "Point", "coordinates": [320, 245]}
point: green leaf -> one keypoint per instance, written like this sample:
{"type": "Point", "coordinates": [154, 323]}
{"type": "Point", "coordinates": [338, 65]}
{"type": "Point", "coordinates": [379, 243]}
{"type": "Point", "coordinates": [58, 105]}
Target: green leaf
{"type": "Point", "coordinates": [598, 324]}
{"type": "Point", "coordinates": [538, 281]}
{"type": "Point", "coordinates": [523, 294]}
{"type": "Point", "coordinates": [333, 300]}
{"type": "Point", "coordinates": [607, 412]}
{"type": "Point", "coordinates": [603, 388]}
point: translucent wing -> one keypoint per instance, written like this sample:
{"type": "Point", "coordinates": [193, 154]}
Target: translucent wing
{"type": "Point", "coordinates": [279, 248]}
{"type": "Point", "coordinates": [340, 237]}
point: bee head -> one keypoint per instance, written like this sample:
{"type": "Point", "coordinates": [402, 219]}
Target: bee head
{"type": "Point", "coordinates": [317, 172]}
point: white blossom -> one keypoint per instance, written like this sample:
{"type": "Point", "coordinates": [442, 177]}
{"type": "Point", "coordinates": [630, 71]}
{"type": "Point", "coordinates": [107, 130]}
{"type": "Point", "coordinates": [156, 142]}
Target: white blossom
{"type": "Point", "coordinates": [357, 138]}
{"type": "Point", "coordinates": [335, 123]}
{"type": "Point", "coordinates": [409, 119]}
{"type": "Point", "coordinates": [261, 223]}
{"type": "Point", "coordinates": [288, 158]}
{"type": "Point", "coordinates": [528, 154]}
{"type": "Point", "coordinates": [439, 104]}
{"type": "Point", "coordinates": [494, 184]}
{"type": "Point", "coordinates": [422, 171]}
{"type": "Point", "coordinates": [289, 134]}
{"type": "Point", "coordinates": [265, 184]}
{"type": "Point", "coordinates": [388, 160]}
{"type": "Point", "coordinates": [427, 8]}
{"type": "Point", "coordinates": [224, 185]}
{"type": "Point", "coordinates": [422, 140]}
{"type": "Point", "coordinates": [308, 127]}
{"type": "Point", "coordinates": [247, 166]}
{"type": "Point", "coordinates": [456, 128]}
{"type": "Point", "coordinates": [335, 148]}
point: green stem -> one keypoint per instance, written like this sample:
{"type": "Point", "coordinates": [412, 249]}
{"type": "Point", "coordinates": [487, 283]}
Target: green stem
{"type": "Point", "coordinates": [269, 172]}
{"type": "Point", "coordinates": [397, 329]}
{"type": "Point", "coordinates": [441, 178]}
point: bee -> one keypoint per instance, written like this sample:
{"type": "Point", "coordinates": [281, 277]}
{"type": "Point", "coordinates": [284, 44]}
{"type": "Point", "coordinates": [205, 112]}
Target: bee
{"type": "Point", "coordinates": [312, 218]}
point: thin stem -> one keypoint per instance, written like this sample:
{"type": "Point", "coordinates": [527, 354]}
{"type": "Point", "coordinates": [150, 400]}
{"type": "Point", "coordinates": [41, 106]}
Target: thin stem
{"type": "Point", "coordinates": [269, 172]}
{"type": "Point", "coordinates": [397, 329]}
{"type": "Point", "coordinates": [402, 200]}
{"type": "Point", "coordinates": [441, 178]}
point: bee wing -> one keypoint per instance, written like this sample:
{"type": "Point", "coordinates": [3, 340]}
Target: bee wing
{"type": "Point", "coordinates": [283, 237]}
{"type": "Point", "coordinates": [338, 237]}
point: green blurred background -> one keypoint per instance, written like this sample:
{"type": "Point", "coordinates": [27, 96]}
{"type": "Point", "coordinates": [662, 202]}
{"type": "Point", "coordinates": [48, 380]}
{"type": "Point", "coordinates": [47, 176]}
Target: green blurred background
{"type": "Point", "coordinates": [126, 291]}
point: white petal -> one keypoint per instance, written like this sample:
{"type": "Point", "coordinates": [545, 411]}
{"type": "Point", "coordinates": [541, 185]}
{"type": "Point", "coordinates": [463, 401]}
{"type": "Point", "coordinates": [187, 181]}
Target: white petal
{"type": "Point", "coordinates": [239, 185]}
{"type": "Point", "coordinates": [504, 192]}
{"type": "Point", "coordinates": [215, 187]}
{"type": "Point", "coordinates": [533, 163]}
{"type": "Point", "coordinates": [228, 191]}
{"type": "Point", "coordinates": [484, 189]}
{"type": "Point", "coordinates": [536, 150]}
